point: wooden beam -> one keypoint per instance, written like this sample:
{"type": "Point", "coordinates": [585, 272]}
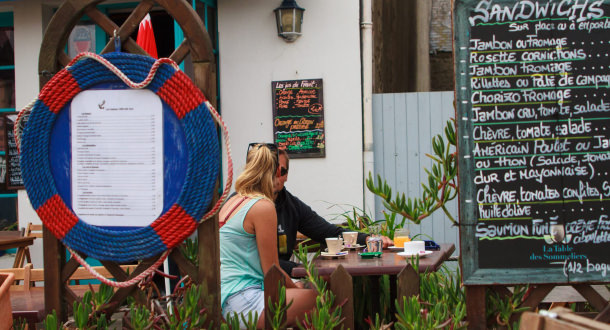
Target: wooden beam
{"type": "Point", "coordinates": [534, 298]}
{"type": "Point", "coordinates": [54, 259]}
{"type": "Point", "coordinates": [593, 297]}
{"type": "Point", "coordinates": [209, 264]}
{"type": "Point", "coordinates": [475, 307]}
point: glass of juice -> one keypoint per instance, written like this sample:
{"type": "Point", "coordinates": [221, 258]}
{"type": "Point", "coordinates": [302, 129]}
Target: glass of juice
{"type": "Point", "coordinates": [401, 236]}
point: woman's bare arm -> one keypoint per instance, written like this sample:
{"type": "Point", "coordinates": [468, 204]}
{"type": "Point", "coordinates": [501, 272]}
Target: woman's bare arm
{"type": "Point", "coordinates": [261, 220]}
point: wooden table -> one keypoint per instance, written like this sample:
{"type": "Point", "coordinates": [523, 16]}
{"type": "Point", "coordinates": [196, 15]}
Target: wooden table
{"type": "Point", "coordinates": [15, 239]}
{"type": "Point", "coordinates": [389, 264]}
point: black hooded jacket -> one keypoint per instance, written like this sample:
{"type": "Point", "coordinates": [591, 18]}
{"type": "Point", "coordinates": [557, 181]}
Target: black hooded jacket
{"type": "Point", "coordinates": [293, 215]}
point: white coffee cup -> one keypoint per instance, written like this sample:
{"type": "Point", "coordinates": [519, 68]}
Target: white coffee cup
{"type": "Point", "coordinates": [334, 244]}
{"type": "Point", "coordinates": [350, 238]}
{"type": "Point", "coordinates": [414, 247]}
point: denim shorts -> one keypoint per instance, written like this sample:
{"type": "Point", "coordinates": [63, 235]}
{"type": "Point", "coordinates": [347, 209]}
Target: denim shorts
{"type": "Point", "coordinates": [249, 299]}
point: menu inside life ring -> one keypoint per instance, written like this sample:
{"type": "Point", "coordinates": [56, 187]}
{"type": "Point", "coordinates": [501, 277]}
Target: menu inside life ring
{"type": "Point", "coordinates": [117, 157]}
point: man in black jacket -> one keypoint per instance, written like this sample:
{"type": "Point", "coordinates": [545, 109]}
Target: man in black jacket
{"type": "Point", "coordinates": [293, 215]}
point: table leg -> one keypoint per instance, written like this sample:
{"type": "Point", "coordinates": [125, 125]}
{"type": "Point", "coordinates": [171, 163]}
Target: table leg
{"type": "Point", "coordinates": [393, 288]}
{"type": "Point", "coordinates": [375, 295]}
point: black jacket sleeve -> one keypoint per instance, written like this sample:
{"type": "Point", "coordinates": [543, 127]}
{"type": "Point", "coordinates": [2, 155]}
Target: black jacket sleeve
{"type": "Point", "coordinates": [287, 266]}
{"type": "Point", "coordinates": [317, 228]}
{"type": "Point", "coordinates": [314, 226]}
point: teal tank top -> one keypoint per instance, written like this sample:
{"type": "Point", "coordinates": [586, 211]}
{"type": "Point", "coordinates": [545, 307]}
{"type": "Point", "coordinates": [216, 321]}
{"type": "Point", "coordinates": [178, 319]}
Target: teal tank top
{"type": "Point", "coordinates": [240, 264]}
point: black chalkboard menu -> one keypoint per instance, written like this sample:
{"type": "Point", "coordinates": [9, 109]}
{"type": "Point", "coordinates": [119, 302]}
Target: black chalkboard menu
{"type": "Point", "coordinates": [13, 169]}
{"type": "Point", "coordinates": [298, 117]}
{"type": "Point", "coordinates": [533, 112]}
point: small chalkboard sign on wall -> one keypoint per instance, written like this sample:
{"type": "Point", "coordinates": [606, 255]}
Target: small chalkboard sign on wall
{"type": "Point", "coordinates": [13, 169]}
{"type": "Point", "coordinates": [298, 117]}
{"type": "Point", "coordinates": [533, 109]}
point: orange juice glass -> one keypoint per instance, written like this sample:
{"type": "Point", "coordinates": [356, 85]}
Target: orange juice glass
{"type": "Point", "coordinates": [401, 236]}
{"type": "Point", "coordinates": [400, 240]}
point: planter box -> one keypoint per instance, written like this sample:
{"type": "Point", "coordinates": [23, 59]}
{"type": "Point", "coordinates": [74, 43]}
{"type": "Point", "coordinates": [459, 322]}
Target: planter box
{"type": "Point", "coordinates": [6, 312]}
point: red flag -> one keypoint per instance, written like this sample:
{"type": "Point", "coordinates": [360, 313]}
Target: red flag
{"type": "Point", "coordinates": [146, 37]}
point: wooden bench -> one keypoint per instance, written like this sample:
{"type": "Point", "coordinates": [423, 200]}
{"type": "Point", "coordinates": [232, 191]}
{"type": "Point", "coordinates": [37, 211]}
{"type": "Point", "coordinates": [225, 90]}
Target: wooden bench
{"type": "Point", "coordinates": [558, 318]}
{"type": "Point", "coordinates": [27, 299]}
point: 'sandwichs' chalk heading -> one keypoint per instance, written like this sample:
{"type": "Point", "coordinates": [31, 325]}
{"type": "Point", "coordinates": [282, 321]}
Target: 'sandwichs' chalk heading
{"type": "Point", "coordinates": [579, 10]}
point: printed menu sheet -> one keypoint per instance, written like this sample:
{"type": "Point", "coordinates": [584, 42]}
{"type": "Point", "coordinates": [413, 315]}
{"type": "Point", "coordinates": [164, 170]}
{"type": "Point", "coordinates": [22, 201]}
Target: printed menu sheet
{"type": "Point", "coordinates": [117, 157]}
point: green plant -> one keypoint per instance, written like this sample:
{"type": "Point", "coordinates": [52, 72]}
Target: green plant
{"type": "Point", "coordinates": [279, 310]}
{"type": "Point", "coordinates": [51, 322]}
{"type": "Point", "coordinates": [20, 324]}
{"type": "Point", "coordinates": [440, 188]}
{"type": "Point", "coordinates": [89, 311]}
{"type": "Point", "coordinates": [441, 303]}
{"type": "Point", "coordinates": [358, 220]}
{"type": "Point", "coordinates": [190, 250]}
{"type": "Point", "coordinates": [187, 313]}
{"type": "Point", "coordinates": [325, 315]}
{"type": "Point", "coordinates": [500, 308]}
{"type": "Point", "coordinates": [378, 324]}
{"type": "Point", "coordinates": [139, 318]}
{"type": "Point", "coordinates": [232, 321]}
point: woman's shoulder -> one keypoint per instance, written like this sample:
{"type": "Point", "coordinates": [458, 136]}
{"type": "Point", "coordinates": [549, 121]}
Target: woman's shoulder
{"type": "Point", "coordinates": [262, 208]}
{"type": "Point", "coordinates": [263, 204]}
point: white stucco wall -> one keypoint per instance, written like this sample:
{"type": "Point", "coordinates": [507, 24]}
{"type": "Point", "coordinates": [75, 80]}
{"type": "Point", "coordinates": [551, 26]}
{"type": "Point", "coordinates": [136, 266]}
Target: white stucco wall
{"type": "Point", "coordinates": [252, 55]}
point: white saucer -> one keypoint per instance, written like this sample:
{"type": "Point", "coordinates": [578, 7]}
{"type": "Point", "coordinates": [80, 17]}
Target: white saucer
{"type": "Point", "coordinates": [394, 247]}
{"type": "Point", "coordinates": [421, 254]}
{"type": "Point", "coordinates": [341, 254]}
{"type": "Point", "coordinates": [357, 246]}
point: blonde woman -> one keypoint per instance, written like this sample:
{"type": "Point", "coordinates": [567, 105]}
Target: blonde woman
{"type": "Point", "coordinates": [248, 241]}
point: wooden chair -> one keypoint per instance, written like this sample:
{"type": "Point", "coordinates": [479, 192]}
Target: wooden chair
{"type": "Point", "coordinates": [23, 254]}
{"type": "Point", "coordinates": [27, 299]}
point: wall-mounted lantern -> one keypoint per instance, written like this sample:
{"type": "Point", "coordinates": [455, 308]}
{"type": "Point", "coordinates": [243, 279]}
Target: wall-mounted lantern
{"type": "Point", "coordinates": [289, 18]}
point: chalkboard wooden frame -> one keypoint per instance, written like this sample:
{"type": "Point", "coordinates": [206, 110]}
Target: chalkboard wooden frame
{"type": "Point", "coordinates": [10, 149]}
{"type": "Point", "coordinates": [473, 273]}
{"type": "Point", "coordinates": [294, 119]}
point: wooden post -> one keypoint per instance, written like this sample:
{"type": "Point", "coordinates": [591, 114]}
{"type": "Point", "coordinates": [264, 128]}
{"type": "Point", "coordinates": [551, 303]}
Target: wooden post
{"type": "Point", "coordinates": [273, 280]}
{"type": "Point", "coordinates": [475, 307]}
{"type": "Point", "coordinates": [422, 57]}
{"type": "Point", "coordinates": [341, 285]}
{"type": "Point", "coordinates": [54, 261]}
{"type": "Point", "coordinates": [209, 263]}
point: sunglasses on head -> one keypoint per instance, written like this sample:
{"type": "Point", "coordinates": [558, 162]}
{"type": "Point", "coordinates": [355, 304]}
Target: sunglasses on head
{"type": "Point", "coordinates": [271, 146]}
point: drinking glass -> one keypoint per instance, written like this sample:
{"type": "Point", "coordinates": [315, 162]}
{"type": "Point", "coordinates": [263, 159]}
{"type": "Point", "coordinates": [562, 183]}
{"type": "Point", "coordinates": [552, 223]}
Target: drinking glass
{"type": "Point", "coordinates": [401, 236]}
